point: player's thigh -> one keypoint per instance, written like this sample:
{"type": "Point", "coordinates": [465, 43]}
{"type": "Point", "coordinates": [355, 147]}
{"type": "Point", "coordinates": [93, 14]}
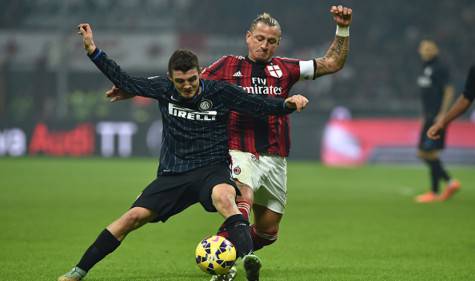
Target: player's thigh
{"type": "Point", "coordinates": [266, 220]}
{"type": "Point", "coordinates": [167, 196]}
{"type": "Point", "coordinates": [273, 191]}
{"type": "Point", "coordinates": [216, 186]}
{"type": "Point", "coordinates": [245, 169]}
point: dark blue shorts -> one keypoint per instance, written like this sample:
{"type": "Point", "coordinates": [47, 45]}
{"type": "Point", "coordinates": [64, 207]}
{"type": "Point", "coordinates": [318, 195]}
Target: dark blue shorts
{"type": "Point", "coordinates": [171, 194]}
{"type": "Point", "coordinates": [427, 144]}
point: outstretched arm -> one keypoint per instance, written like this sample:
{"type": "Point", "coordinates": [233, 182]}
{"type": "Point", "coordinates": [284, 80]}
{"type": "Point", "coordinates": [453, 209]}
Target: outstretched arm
{"type": "Point", "coordinates": [336, 55]}
{"type": "Point", "coordinates": [152, 88]}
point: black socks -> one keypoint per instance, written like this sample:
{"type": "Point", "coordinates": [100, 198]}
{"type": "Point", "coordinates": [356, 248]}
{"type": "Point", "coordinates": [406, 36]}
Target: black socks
{"type": "Point", "coordinates": [239, 234]}
{"type": "Point", "coordinates": [105, 244]}
{"type": "Point", "coordinates": [437, 172]}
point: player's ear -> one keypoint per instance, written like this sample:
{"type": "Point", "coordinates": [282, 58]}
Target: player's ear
{"type": "Point", "coordinates": [169, 77]}
{"type": "Point", "coordinates": [248, 35]}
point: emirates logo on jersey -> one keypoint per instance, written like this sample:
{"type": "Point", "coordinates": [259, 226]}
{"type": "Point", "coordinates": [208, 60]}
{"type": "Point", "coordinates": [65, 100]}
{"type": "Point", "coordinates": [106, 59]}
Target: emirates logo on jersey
{"type": "Point", "coordinates": [274, 71]}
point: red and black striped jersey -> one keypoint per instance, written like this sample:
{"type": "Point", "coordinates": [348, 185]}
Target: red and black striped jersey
{"type": "Point", "coordinates": [260, 135]}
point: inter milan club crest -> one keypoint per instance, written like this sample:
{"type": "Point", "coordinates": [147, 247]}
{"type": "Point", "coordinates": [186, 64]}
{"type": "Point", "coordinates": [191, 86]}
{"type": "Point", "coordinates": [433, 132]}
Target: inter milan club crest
{"type": "Point", "coordinates": [274, 71]}
{"type": "Point", "coordinates": [205, 105]}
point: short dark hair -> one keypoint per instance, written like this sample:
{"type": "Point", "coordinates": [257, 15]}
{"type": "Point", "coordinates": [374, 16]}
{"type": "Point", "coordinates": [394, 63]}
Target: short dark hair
{"type": "Point", "coordinates": [182, 60]}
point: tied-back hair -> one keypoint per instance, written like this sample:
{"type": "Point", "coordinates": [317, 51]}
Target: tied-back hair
{"type": "Point", "coordinates": [183, 60]}
{"type": "Point", "coordinates": [267, 19]}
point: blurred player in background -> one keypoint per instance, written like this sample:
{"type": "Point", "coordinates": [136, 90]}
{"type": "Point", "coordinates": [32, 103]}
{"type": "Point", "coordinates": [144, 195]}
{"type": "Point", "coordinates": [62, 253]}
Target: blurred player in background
{"type": "Point", "coordinates": [436, 95]}
{"type": "Point", "coordinates": [194, 160]}
{"type": "Point", "coordinates": [460, 106]}
{"type": "Point", "coordinates": [259, 146]}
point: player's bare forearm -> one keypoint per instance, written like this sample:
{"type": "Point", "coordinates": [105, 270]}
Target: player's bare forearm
{"type": "Point", "coordinates": [459, 107]}
{"type": "Point", "coordinates": [336, 55]}
{"type": "Point", "coordinates": [335, 58]}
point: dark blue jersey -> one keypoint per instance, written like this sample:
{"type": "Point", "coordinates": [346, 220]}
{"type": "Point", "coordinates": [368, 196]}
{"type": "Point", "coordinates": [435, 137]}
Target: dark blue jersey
{"type": "Point", "coordinates": [432, 82]}
{"type": "Point", "coordinates": [194, 130]}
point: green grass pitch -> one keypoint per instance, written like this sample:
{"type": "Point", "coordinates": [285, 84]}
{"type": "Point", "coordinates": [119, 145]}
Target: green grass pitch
{"type": "Point", "coordinates": [341, 224]}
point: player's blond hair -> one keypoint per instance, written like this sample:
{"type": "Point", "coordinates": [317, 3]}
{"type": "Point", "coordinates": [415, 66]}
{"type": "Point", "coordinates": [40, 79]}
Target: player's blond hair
{"type": "Point", "coordinates": [267, 19]}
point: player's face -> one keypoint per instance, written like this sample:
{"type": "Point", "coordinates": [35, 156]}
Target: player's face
{"type": "Point", "coordinates": [427, 50]}
{"type": "Point", "coordinates": [186, 83]}
{"type": "Point", "coordinates": [262, 42]}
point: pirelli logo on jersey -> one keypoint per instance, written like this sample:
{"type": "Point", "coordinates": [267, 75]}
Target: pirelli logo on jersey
{"type": "Point", "coordinates": [191, 114]}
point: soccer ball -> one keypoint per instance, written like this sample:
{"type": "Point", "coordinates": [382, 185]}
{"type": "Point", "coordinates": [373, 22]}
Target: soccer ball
{"type": "Point", "coordinates": [215, 255]}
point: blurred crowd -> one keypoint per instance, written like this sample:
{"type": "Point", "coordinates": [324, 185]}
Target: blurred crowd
{"type": "Point", "coordinates": [378, 79]}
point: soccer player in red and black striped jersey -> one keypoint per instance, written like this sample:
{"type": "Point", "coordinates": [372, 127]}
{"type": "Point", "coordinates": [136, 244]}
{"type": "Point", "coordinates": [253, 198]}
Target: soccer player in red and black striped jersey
{"type": "Point", "coordinates": [259, 145]}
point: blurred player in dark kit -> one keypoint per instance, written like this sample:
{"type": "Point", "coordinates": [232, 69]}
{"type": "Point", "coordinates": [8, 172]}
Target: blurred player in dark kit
{"type": "Point", "coordinates": [436, 96]}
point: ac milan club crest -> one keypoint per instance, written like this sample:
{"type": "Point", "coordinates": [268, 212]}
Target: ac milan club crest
{"type": "Point", "coordinates": [236, 170]}
{"type": "Point", "coordinates": [274, 71]}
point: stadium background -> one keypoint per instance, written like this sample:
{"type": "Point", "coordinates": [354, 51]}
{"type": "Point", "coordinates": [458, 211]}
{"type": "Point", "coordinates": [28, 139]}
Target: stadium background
{"type": "Point", "coordinates": [351, 224]}
{"type": "Point", "coordinates": [50, 91]}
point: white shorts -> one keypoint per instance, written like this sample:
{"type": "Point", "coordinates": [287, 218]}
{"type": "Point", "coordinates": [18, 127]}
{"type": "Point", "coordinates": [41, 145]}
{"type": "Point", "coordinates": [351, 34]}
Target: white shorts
{"type": "Point", "coordinates": [266, 175]}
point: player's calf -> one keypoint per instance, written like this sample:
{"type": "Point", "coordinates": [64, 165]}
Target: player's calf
{"type": "Point", "coordinates": [261, 239]}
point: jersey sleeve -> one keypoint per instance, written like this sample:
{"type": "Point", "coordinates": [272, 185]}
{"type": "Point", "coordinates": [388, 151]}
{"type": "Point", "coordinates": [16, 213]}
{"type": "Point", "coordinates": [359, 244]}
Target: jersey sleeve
{"type": "Point", "coordinates": [152, 87]}
{"type": "Point", "coordinates": [469, 91]}
{"type": "Point", "coordinates": [238, 100]}
{"type": "Point", "coordinates": [298, 69]}
{"type": "Point", "coordinates": [212, 72]}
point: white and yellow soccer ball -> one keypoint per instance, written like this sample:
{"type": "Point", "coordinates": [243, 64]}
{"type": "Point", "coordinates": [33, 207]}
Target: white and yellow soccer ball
{"type": "Point", "coordinates": [215, 255]}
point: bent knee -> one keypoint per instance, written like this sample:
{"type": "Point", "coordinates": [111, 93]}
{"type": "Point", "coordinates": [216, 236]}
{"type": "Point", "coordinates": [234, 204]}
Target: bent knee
{"type": "Point", "coordinates": [135, 217]}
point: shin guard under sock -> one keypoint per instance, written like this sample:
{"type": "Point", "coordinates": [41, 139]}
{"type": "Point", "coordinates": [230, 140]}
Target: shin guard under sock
{"type": "Point", "coordinates": [105, 244]}
{"type": "Point", "coordinates": [239, 234]}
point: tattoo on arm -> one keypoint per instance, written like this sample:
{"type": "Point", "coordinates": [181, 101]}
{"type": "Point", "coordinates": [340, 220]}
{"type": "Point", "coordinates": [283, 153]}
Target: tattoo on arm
{"type": "Point", "coordinates": [335, 57]}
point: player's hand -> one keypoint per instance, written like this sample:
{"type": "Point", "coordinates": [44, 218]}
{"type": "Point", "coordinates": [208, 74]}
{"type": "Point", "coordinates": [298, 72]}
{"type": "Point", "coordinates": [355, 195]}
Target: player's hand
{"type": "Point", "coordinates": [341, 15]}
{"type": "Point", "coordinates": [85, 30]}
{"type": "Point", "coordinates": [116, 94]}
{"type": "Point", "coordinates": [297, 102]}
{"type": "Point", "coordinates": [435, 130]}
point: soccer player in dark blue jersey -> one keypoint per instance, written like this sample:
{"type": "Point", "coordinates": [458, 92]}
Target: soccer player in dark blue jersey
{"type": "Point", "coordinates": [194, 162]}
{"type": "Point", "coordinates": [436, 96]}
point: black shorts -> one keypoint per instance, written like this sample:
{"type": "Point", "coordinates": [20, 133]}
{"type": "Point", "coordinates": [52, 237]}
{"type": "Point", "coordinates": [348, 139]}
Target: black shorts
{"type": "Point", "coordinates": [169, 195]}
{"type": "Point", "coordinates": [427, 144]}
